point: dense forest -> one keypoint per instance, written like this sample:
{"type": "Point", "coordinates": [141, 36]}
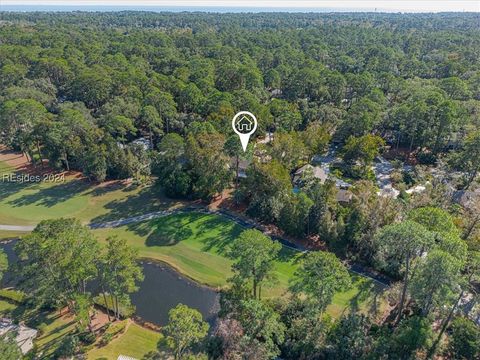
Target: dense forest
{"type": "Point", "coordinates": [151, 96]}
{"type": "Point", "coordinates": [104, 79]}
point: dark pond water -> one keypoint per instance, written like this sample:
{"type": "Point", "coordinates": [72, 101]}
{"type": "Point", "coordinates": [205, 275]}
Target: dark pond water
{"type": "Point", "coordinates": [162, 289]}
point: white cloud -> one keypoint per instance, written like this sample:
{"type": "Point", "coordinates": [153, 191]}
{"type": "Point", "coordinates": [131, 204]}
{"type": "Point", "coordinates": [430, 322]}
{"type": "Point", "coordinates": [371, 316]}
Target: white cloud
{"type": "Point", "coordinates": [385, 5]}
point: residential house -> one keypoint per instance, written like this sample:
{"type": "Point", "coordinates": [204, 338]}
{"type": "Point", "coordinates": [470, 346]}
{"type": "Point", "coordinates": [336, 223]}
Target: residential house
{"type": "Point", "coordinates": [242, 166]}
{"type": "Point", "coordinates": [24, 335]}
{"type": "Point", "coordinates": [344, 196]}
{"type": "Point", "coordinates": [316, 171]}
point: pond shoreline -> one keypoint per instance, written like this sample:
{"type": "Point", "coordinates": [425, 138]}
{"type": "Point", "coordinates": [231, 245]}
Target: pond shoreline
{"type": "Point", "coordinates": [178, 271]}
{"type": "Point", "coordinates": [162, 289]}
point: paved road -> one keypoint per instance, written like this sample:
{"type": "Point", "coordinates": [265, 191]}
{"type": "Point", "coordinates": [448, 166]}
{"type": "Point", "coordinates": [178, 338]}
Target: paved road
{"type": "Point", "coordinates": [250, 224]}
{"type": "Point", "coordinates": [16, 228]}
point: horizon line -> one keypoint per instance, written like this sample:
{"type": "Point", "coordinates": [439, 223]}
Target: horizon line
{"type": "Point", "coordinates": [404, 6]}
{"type": "Point", "coordinates": [210, 9]}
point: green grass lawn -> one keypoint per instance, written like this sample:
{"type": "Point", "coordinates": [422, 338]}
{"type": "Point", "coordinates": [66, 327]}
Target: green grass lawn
{"type": "Point", "coordinates": [5, 168]}
{"type": "Point", "coordinates": [55, 327]}
{"type": "Point", "coordinates": [135, 342]}
{"type": "Point", "coordinates": [196, 245]}
{"type": "Point", "coordinates": [29, 203]}
{"type": "Point", "coordinates": [6, 235]}
{"type": "Point", "coordinates": [6, 307]}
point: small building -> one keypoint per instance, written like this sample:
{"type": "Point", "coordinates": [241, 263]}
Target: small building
{"type": "Point", "coordinates": [242, 168]}
{"type": "Point", "coordinates": [316, 171]}
{"type": "Point", "coordinates": [344, 196]}
{"type": "Point", "coordinates": [418, 189]}
{"type": "Point", "coordinates": [276, 92]}
{"type": "Point", "coordinates": [267, 139]}
{"type": "Point", "coordinates": [388, 191]}
{"type": "Point", "coordinates": [144, 143]}
{"type": "Point", "coordinates": [340, 184]}
{"type": "Point", "coordinates": [24, 335]}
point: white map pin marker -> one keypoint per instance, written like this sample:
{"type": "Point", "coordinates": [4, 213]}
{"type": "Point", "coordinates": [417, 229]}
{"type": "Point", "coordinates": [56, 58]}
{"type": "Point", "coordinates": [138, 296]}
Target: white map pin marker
{"type": "Point", "coordinates": [244, 124]}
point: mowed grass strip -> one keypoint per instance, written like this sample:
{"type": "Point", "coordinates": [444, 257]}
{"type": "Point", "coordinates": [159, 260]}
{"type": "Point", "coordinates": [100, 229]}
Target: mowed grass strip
{"type": "Point", "coordinates": [56, 328]}
{"type": "Point", "coordinates": [7, 235]}
{"type": "Point", "coordinates": [197, 244]}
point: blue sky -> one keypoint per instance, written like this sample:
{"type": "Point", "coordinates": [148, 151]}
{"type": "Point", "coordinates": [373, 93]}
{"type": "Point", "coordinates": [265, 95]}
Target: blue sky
{"type": "Point", "coordinates": [385, 5]}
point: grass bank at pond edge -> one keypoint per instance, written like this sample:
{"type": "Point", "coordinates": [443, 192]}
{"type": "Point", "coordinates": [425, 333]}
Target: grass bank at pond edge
{"type": "Point", "coordinates": [196, 245]}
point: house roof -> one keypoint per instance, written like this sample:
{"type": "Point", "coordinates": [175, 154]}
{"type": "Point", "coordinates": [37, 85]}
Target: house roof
{"type": "Point", "coordinates": [388, 191]}
{"type": "Point", "coordinates": [243, 164]}
{"type": "Point", "coordinates": [24, 337]}
{"type": "Point", "coordinates": [416, 189]}
{"type": "Point", "coordinates": [339, 183]}
{"type": "Point", "coordinates": [344, 196]}
{"type": "Point", "coordinates": [317, 173]}
{"type": "Point", "coordinates": [265, 140]}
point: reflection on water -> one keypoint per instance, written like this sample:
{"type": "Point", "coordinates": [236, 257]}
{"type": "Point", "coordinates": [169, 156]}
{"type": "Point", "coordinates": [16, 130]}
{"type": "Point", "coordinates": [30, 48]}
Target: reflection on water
{"type": "Point", "coordinates": [8, 278]}
{"type": "Point", "coordinates": [162, 289]}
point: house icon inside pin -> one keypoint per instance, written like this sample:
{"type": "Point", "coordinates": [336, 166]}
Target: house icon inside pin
{"type": "Point", "coordinates": [244, 124]}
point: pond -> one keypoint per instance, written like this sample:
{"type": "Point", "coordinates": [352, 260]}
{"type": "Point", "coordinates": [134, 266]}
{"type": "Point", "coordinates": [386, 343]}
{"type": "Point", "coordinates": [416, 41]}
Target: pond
{"type": "Point", "coordinates": [162, 289]}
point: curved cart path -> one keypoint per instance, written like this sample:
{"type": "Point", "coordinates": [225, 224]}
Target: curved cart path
{"type": "Point", "coordinates": [355, 268]}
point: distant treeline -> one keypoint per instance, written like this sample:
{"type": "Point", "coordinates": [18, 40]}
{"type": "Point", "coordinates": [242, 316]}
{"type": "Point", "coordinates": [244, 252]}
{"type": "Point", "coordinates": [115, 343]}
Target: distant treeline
{"type": "Point", "coordinates": [79, 88]}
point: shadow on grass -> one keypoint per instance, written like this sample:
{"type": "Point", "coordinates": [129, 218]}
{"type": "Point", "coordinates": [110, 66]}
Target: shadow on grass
{"type": "Point", "coordinates": [146, 200]}
{"type": "Point", "coordinates": [225, 233]}
{"type": "Point", "coordinates": [368, 294]}
{"type": "Point", "coordinates": [105, 189]}
{"type": "Point", "coordinates": [161, 238]}
{"type": "Point", "coordinates": [168, 230]}
{"type": "Point", "coordinates": [161, 353]}
{"type": "Point", "coordinates": [35, 318]}
{"type": "Point", "coordinates": [286, 255]}
{"type": "Point", "coordinates": [214, 232]}
{"type": "Point", "coordinates": [8, 188]}
{"type": "Point", "coordinates": [56, 336]}
{"type": "Point", "coordinates": [53, 195]}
